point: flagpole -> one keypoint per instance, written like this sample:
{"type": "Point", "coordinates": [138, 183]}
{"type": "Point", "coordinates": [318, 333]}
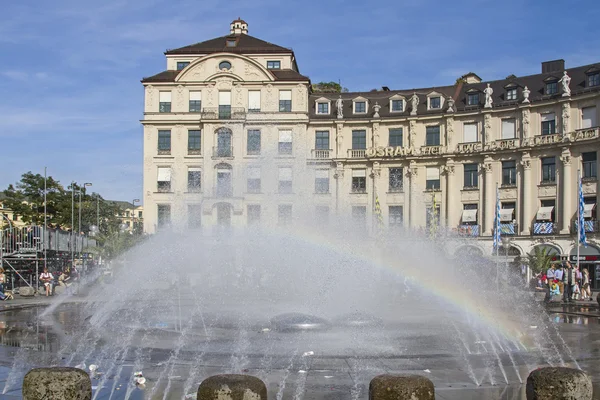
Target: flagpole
{"type": "Point", "coordinates": [578, 215]}
{"type": "Point", "coordinates": [496, 223]}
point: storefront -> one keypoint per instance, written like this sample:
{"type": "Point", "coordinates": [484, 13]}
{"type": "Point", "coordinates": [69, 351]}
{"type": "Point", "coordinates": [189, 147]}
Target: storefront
{"type": "Point", "coordinates": [589, 257]}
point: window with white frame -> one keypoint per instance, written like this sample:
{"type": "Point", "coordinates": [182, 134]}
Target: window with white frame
{"type": "Point", "coordinates": [548, 124]}
{"type": "Point", "coordinates": [253, 101]}
{"type": "Point", "coordinates": [285, 142]}
{"type": "Point", "coordinates": [434, 102]}
{"type": "Point", "coordinates": [322, 107]}
{"type": "Point", "coordinates": [359, 180]}
{"type": "Point", "coordinates": [285, 100]}
{"type": "Point", "coordinates": [253, 180]}
{"type": "Point", "coordinates": [359, 106]}
{"type": "Point", "coordinates": [195, 101]}
{"type": "Point", "coordinates": [508, 128]}
{"type": "Point", "coordinates": [470, 132]}
{"type": "Point", "coordinates": [274, 64]}
{"type": "Point", "coordinates": [511, 94]}
{"type": "Point", "coordinates": [164, 102]}
{"type": "Point", "coordinates": [182, 64]}
{"type": "Point", "coordinates": [164, 179]}
{"type": "Point", "coordinates": [322, 181]}
{"type": "Point", "coordinates": [164, 215]}
{"type": "Point", "coordinates": [588, 117]}
{"type": "Point", "coordinates": [396, 105]}
{"type": "Point", "coordinates": [433, 178]}
{"type": "Point", "coordinates": [194, 179]}
{"type": "Point", "coordinates": [285, 180]}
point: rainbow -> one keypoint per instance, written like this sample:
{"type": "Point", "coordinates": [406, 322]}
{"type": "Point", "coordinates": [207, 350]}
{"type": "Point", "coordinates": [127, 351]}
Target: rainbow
{"type": "Point", "coordinates": [494, 318]}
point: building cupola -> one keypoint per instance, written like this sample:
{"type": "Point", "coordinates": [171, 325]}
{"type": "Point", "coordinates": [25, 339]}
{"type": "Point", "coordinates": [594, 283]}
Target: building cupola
{"type": "Point", "coordinates": [239, 26]}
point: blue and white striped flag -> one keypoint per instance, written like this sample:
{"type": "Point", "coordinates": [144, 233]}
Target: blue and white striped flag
{"type": "Point", "coordinates": [580, 217]}
{"type": "Point", "coordinates": [497, 230]}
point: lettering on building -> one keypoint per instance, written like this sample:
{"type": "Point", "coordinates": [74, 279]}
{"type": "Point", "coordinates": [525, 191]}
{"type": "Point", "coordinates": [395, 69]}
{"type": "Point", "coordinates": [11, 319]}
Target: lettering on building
{"type": "Point", "coordinates": [389, 151]}
{"type": "Point", "coordinates": [546, 139]}
{"type": "Point", "coordinates": [431, 150]}
{"type": "Point", "coordinates": [469, 147]}
{"type": "Point", "coordinates": [586, 134]}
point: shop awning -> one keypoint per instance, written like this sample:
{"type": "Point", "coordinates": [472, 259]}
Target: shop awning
{"type": "Point", "coordinates": [588, 209]}
{"type": "Point", "coordinates": [544, 214]}
{"type": "Point", "coordinates": [506, 214]}
{"type": "Point", "coordinates": [469, 216]}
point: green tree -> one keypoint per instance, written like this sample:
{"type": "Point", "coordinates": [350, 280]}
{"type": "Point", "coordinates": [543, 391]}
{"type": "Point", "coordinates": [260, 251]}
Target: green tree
{"type": "Point", "coordinates": [328, 87]}
{"type": "Point", "coordinates": [540, 259]}
{"type": "Point", "coordinates": [114, 242]}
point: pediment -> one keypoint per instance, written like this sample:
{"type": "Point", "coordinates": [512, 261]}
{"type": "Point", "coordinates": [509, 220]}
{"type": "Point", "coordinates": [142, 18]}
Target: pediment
{"type": "Point", "coordinates": [397, 97]}
{"type": "Point", "coordinates": [511, 85]}
{"type": "Point", "coordinates": [593, 69]}
{"type": "Point", "coordinates": [551, 78]}
{"type": "Point", "coordinates": [323, 100]}
{"type": "Point", "coordinates": [359, 98]}
{"type": "Point", "coordinates": [207, 69]}
{"type": "Point", "coordinates": [434, 94]}
{"type": "Point", "coordinates": [473, 91]}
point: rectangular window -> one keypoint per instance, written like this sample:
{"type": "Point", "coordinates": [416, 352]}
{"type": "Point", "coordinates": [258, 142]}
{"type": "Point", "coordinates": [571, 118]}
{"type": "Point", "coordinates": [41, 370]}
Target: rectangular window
{"type": "Point", "coordinates": [508, 128]}
{"type": "Point", "coordinates": [397, 105]}
{"type": "Point", "coordinates": [469, 133]}
{"type": "Point", "coordinates": [395, 137]}
{"type": "Point", "coordinates": [321, 215]}
{"type": "Point", "coordinates": [253, 180]}
{"type": "Point", "coordinates": [511, 94]}
{"type": "Point", "coordinates": [396, 216]}
{"type": "Point", "coordinates": [285, 100]}
{"type": "Point", "coordinates": [549, 213]}
{"type": "Point", "coordinates": [285, 180]}
{"type": "Point", "coordinates": [548, 124]}
{"type": "Point", "coordinates": [396, 182]}
{"type": "Point", "coordinates": [588, 117]}
{"type": "Point", "coordinates": [509, 173]}
{"type": "Point", "coordinates": [253, 101]}
{"type": "Point", "coordinates": [359, 180]}
{"type": "Point", "coordinates": [164, 215]}
{"type": "Point", "coordinates": [164, 99]}
{"type": "Point", "coordinates": [435, 102]}
{"type": "Point", "coordinates": [195, 101]}
{"type": "Point", "coordinates": [594, 80]}
{"type": "Point", "coordinates": [549, 169]}
{"type": "Point", "coordinates": [273, 64]}
{"type": "Point", "coordinates": [164, 142]}
{"type": "Point", "coordinates": [231, 42]}
{"type": "Point", "coordinates": [472, 99]}
{"type": "Point", "coordinates": [432, 136]}
{"type": "Point", "coordinates": [182, 64]}
{"type": "Point", "coordinates": [360, 107]}
{"type": "Point", "coordinates": [194, 179]}
{"type": "Point", "coordinates": [359, 216]}
{"type": "Point", "coordinates": [224, 105]}
{"type": "Point", "coordinates": [285, 142]}
{"type": "Point", "coordinates": [322, 181]}
{"type": "Point", "coordinates": [194, 141]}
{"type": "Point", "coordinates": [322, 140]}
{"type": "Point", "coordinates": [194, 216]}
{"type": "Point", "coordinates": [164, 179]}
{"type": "Point", "coordinates": [253, 144]}
{"type": "Point", "coordinates": [433, 178]}
{"type": "Point", "coordinates": [253, 214]}
{"type": "Point", "coordinates": [589, 164]}
{"type": "Point", "coordinates": [359, 140]}
{"type": "Point", "coordinates": [551, 88]}
{"type": "Point", "coordinates": [507, 212]}
{"type": "Point", "coordinates": [284, 214]}
{"type": "Point", "coordinates": [471, 176]}
{"type": "Point", "coordinates": [322, 108]}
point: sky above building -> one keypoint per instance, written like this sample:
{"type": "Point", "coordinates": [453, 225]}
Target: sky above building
{"type": "Point", "coordinates": [70, 71]}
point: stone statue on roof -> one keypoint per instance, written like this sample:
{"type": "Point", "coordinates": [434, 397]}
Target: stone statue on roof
{"type": "Point", "coordinates": [488, 96]}
{"type": "Point", "coordinates": [414, 101]}
{"type": "Point", "coordinates": [339, 104]}
{"type": "Point", "coordinates": [526, 92]}
{"type": "Point", "coordinates": [565, 81]}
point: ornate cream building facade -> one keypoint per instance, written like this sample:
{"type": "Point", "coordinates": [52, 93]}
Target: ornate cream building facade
{"type": "Point", "coordinates": [233, 134]}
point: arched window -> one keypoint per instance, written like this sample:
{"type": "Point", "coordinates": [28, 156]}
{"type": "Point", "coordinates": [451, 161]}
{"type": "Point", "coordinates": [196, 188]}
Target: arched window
{"type": "Point", "coordinates": [225, 65]}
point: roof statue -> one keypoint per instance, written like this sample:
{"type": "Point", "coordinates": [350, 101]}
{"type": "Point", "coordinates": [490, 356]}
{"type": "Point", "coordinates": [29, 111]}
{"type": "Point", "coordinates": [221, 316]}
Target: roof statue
{"type": "Point", "coordinates": [488, 96]}
{"type": "Point", "coordinates": [565, 81]}
{"type": "Point", "coordinates": [340, 107]}
{"type": "Point", "coordinates": [414, 101]}
{"type": "Point", "coordinates": [526, 92]}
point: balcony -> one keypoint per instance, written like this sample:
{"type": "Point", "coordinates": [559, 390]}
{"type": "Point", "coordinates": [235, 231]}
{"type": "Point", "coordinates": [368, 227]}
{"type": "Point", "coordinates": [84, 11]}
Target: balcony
{"type": "Point", "coordinates": [468, 230]}
{"type": "Point", "coordinates": [164, 152]}
{"type": "Point", "coordinates": [223, 112]}
{"type": "Point", "coordinates": [357, 153]}
{"type": "Point", "coordinates": [591, 226]}
{"type": "Point", "coordinates": [321, 154]}
{"type": "Point", "coordinates": [194, 152]}
{"type": "Point", "coordinates": [544, 228]}
{"type": "Point", "coordinates": [509, 228]}
{"type": "Point", "coordinates": [223, 152]}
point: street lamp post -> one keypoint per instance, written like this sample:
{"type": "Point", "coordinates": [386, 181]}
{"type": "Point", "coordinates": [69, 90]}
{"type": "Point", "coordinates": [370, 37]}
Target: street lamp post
{"type": "Point", "coordinates": [72, 187]}
{"type": "Point", "coordinates": [79, 230]}
{"type": "Point", "coordinates": [133, 215]}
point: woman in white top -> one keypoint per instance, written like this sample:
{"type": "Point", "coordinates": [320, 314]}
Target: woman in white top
{"type": "Point", "coordinates": [47, 278]}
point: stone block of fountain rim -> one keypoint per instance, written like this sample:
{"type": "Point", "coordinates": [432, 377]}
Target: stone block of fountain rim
{"type": "Point", "coordinates": [58, 290]}
{"type": "Point", "coordinates": [558, 383]}
{"type": "Point", "coordinates": [232, 386]}
{"type": "Point", "coordinates": [26, 291]}
{"type": "Point", "coordinates": [64, 383]}
{"type": "Point", "coordinates": [401, 387]}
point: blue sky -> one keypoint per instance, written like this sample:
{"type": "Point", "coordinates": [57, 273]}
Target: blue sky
{"type": "Point", "coordinates": [69, 73]}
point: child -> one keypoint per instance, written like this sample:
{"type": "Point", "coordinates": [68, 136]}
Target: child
{"type": "Point", "coordinates": [554, 288]}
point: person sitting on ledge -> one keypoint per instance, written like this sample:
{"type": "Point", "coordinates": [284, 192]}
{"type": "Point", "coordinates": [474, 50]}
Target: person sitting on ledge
{"type": "Point", "coordinates": [46, 278]}
{"type": "Point", "coordinates": [3, 296]}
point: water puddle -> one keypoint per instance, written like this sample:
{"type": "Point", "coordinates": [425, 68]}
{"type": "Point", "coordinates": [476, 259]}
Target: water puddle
{"type": "Point", "coordinates": [560, 318]}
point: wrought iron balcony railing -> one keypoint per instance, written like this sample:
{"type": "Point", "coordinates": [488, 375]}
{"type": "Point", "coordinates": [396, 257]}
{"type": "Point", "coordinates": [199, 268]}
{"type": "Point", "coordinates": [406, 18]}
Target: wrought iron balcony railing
{"type": "Point", "coordinates": [223, 112]}
{"type": "Point", "coordinates": [223, 151]}
{"type": "Point", "coordinates": [543, 228]}
{"type": "Point", "coordinates": [469, 230]}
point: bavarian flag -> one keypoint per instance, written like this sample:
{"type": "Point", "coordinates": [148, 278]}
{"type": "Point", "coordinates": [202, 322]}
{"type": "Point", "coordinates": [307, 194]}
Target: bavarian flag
{"type": "Point", "coordinates": [378, 213]}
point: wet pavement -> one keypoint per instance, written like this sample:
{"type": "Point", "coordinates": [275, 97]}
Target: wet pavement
{"type": "Point", "coordinates": [28, 340]}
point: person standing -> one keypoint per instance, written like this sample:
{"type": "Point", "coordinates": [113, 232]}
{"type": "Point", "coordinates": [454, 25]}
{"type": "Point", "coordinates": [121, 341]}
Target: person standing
{"type": "Point", "coordinates": [586, 292]}
{"type": "Point", "coordinates": [550, 275]}
{"type": "Point", "coordinates": [558, 275]}
{"type": "Point", "coordinates": [569, 281]}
